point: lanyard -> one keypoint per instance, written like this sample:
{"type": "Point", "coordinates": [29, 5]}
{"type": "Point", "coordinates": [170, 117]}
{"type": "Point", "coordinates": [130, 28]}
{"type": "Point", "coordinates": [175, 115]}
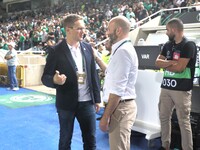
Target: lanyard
{"type": "Point", "coordinates": [120, 46]}
{"type": "Point", "coordinates": [83, 63]}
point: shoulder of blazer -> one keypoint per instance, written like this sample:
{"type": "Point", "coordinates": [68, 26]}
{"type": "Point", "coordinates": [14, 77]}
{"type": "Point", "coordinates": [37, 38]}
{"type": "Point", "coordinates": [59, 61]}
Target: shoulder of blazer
{"type": "Point", "coordinates": [61, 45]}
{"type": "Point", "coordinates": [86, 45]}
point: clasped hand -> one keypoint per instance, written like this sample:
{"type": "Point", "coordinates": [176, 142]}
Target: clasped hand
{"type": "Point", "coordinates": [59, 78]}
{"type": "Point", "coordinates": [104, 124]}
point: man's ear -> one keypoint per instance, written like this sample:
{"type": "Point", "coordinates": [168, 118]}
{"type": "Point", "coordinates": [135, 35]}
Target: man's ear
{"type": "Point", "coordinates": [118, 30]}
{"type": "Point", "coordinates": [174, 30]}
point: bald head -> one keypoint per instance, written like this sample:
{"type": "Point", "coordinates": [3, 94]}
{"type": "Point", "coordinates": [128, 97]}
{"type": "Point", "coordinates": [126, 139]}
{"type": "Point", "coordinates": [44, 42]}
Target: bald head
{"type": "Point", "coordinates": [122, 22]}
{"type": "Point", "coordinates": [118, 29]}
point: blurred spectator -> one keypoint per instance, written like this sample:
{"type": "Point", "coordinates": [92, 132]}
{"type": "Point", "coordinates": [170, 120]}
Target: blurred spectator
{"type": "Point", "coordinates": [108, 13]}
{"type": "Point", "coordinates": [147, 5]}
{"type": "Point", "coordinates": [21, 41]}
{"type": "Point", "coordinates": [142, 12]}
{"type": "Point", "coordinates": [180, 3]}
{"type": "Point", "coordinates": [130, 13]}
{"type": "Point", "coordinates": [197, 4]}
{"type": "Point", "coordinates": [133, 22]}
{"type": "Point", "coordinates": [58, 34]}
{"type": "Point", "coordinates": [11, 57]}
{"type": "Point", "coordinates": [1, 43]}
{"type": "Point", "coordinates": [51, 39]}
{"type": "Point", "coordinates": [44, 36]}
{"type": "Point", "coordinates": [155, 6]}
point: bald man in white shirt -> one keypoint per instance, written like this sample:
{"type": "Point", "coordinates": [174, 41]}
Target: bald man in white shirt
{"type": "Point", "coordinates": [119, 87]}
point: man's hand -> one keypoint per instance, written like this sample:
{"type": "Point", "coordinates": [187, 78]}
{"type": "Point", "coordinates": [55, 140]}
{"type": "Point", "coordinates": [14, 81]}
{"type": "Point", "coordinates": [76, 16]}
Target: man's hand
{"type": "Point", "coordinates": [94, 52]}
{"type": "Point", "coordinates": [59, 78]}
{"type": "Point", "coordinates": [104, 124]}
{"type": "Point", "coordinates": [97, 107]}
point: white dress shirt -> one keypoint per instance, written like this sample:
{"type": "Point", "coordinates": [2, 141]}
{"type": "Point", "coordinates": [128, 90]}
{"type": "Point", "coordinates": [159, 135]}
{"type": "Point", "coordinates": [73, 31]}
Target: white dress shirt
{"type": "Point", "coordinates": [121, 72]}
{"type": "Point", "coordinates": [84, 94]}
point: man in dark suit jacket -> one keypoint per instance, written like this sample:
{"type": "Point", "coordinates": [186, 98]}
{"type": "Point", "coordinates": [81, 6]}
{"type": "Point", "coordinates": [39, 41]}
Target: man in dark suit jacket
{"type": "Point", "coordinates": [70, 68]}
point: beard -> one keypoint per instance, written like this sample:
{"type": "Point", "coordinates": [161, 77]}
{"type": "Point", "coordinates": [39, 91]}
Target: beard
{"type": "Point", "coordinates": [171, 37]}
{"type": "Point", "coordinates": [113, 37]}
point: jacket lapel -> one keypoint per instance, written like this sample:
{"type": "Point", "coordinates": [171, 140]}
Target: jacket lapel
{"type": "Point", "coordinates": [85, 53]}
{"type": "Point", "coordinates": [68, 54]}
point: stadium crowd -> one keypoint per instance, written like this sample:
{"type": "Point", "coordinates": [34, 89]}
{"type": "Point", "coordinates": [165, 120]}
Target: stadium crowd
{"type": "Point", "coordinates": [43, 27]}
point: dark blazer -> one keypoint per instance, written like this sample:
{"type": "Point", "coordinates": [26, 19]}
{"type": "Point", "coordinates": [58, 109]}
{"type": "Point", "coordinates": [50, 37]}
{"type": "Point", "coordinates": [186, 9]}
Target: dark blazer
{"type": "Point", "coordinates": [60, 58]}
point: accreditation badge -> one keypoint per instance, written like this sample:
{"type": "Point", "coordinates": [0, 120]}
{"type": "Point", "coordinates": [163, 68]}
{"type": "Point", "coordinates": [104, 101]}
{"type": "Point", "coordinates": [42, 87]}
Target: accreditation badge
{"type": "Point", "coordinates": [176, 55]}
{"type": "Point", "coordinates": [81, 77]}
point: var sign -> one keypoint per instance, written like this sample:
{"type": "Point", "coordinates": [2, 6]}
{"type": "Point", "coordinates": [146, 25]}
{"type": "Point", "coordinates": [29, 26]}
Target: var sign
{"type": "Point", "coordinates": [145, 56]}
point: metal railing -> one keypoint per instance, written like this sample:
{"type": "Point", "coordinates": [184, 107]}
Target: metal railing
{"type": "Point", "coordinates": [162, 11]}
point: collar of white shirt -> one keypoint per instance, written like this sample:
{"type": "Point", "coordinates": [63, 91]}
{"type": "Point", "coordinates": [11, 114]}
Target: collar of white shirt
{"type": "Point", "coordinates": [116, 45]}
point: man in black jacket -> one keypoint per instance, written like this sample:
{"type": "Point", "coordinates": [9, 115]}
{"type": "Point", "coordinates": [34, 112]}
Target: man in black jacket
{"type": "Point", "coordinates": [70, 68]}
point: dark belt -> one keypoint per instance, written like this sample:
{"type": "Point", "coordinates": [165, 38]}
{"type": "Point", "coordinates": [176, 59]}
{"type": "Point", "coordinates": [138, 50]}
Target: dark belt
{"type": "Point", "coordinates": [126, 100]}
